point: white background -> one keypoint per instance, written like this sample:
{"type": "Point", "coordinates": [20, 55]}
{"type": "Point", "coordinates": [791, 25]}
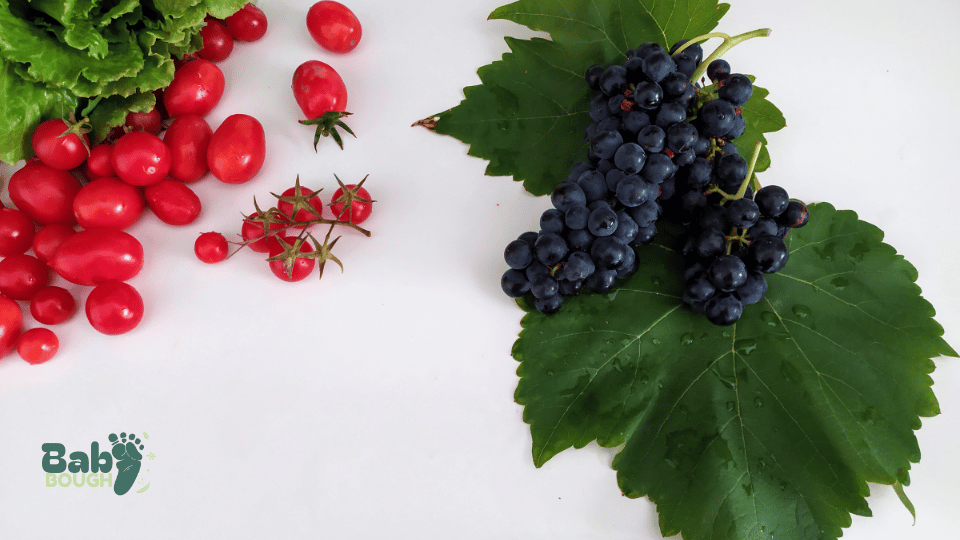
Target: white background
{"type": "Point", "coordinates": [378, 403]}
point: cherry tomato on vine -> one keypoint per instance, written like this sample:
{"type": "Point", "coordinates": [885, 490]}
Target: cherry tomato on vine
{"type": "Point", "coordinates": [59, 144]}
{"type": "Point", "coordinates": [334, 26]}
{"type": "Point", "coordinates": [286, 207]}
{"type": "Point", "coordinates": [11, 324]}
{"type": "Point", "coordinates": [108, 202]}
{"type": "Point", "coordinates": [248, 24]}
{"type": "Point", "coordinates": [253, 230]}
{"type": "Point", "coordinates": [173, 202]}
{"type": "Point", "coordinates": [52, 305]}
{"type": "Point", "coordinates": [16, 232]}
{"type": "Point", "coordinates": [140, 158]}
{"type": "Point", "coordinates": [37, 345]}
{"type": "Point", "coordinates": [114, 308]}
{"type": "Point", "coordinates": [360, 204]}
{"type": "Point", "coordinates": [217, 41]}
{"type": "Point", "coordinates": [211, 247]}
{"type": "Point", "coordinates": [301, 267]}
{"type": "Point", "coordinates": [188, 138]}
{"type": "Point", "coordinates": [22, 275]}
{"type": "Point", "coordinates": [49, 238]}
{"type": "Point", "coordinates": [44, 193]}
{"type": "Point", "coordinates": [196, 88]}
{"type": "Point", "coordinates": [237, 149]}
{"type": "Point", "coordinates": [318, 88]}
{"type": "Point", "coordinates": [93, 256]}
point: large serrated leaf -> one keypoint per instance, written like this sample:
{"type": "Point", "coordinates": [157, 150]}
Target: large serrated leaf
{"type": "Point", "coordinates": [773, 426]}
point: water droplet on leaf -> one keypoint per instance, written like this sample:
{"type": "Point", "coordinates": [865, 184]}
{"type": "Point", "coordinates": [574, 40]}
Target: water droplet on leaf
{"type": "Point", "coordinates": [801, 311]}
{"type": "Point", "coordinates": [686, 339]}
{"type": "Point", "coordinates": [758, 402]}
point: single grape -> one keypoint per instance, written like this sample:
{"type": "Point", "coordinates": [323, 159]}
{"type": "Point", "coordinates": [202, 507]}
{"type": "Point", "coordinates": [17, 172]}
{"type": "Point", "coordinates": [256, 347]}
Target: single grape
{"type": "Point", "coordinates": [742, 213]}
{"type": "Point", "coordinates": [518, 254]}
{"type": "Point", "coordinates": [657, 65]}
{"type": "Point", "coordinates": [579, 266]}
{"type": "Point", "coordinates": [604, 144]}
{"type": "Point", "coordinates": [634, 191]}
{"type": "Point", "coordinates": [548, 306]}
{"type": "Point", "coordinates": [718, 70]}
{"type": "Point", "coordinates": [681, 137]}
{"type": "Point", "coordinates": [602, 281]}
{"type": "Point", "coordinates": [658, 168]}
{"type": "Point", "coordinates": [723, 309]}
{"type": "Point", "coordinates": [594, 185]}
{"type": "Point", "coordinates": [772, 200]}
{"type": "Point", "coordinates": [796, 215]}
{"type": "Point", "coordinates": [716, 116]}
{"type": "Point", "coordinates": [652, 138]}
{"type": "Point", "coordinates": [727, 272]}
{"type": "Point", "coordinates": [648, 95]}
{"type": "Point", "coordinates": [607, 252]}
{"type": "Point", "coordinates": [736, 89]}
{"type": "Point", "coordinates": [552, 221]}
{"type": "Point", "coordinates": [592, 76]}
{"type": "Point", "coordinates": [567, 194]}
{"type": "Point", "coordinates": [711, 243]}
{"type": "Point", "coordinates": [629, 158]}
{"type": "Point", "coordinates": [544, 286]}
{"type": "Point", "coordinates": [576, 217]}
{"type": "Point", "coordinates": [550, 249]}
{"type": "Point", "coordinates": [634, 121]}
{"type": "Point", "coordinates": [768, 254]}
{"type": "Point", "coordinates": [514, 283]}
{"type": "Point", "coordinates": [646, 49]}
{"type": "Point", "coordinates": [580, 239]}
{"type": "Point", "coordinates": [602, 221]}
{"type": "Point", "coordinates": [627, 228]}
{"type": "Point", "coordinates": [613, 80]}
{"type": "Point", "coordinates": [753, 290]}
{"type": "Point", "coordinates": [670, 114]}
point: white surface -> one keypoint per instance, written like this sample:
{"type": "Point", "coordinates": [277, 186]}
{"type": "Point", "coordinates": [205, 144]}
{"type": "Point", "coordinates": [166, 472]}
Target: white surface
{"type": "Point", "coordinates": [378, 403]}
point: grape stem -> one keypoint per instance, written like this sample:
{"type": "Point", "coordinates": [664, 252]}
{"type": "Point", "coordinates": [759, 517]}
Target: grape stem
{"type": "Point", "coordinates": [728, 43]}
{"type": "Point", "coordinates": [747, 179]}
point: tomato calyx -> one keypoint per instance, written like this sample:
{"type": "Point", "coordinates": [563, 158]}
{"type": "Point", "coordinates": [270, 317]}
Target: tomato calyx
{"type": "Point", "coordinates": [350, 195]}
{"type": "Point", "coordinates": [79, 128]}
{"type": "Point", "coordinates": [299, 203]}
{"type": "Point", "coordinates": [327, 125]}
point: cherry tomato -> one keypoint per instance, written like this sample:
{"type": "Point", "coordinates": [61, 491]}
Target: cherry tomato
{"type": "Point", "coordinates": [286, 207]}
{"type": "Point", "coordinates": [98, 164]}
{"type": "Point", "coordinates": [11, 324]}
{"type": "Point", "coordinates": [58, 144]}
{"type": "Point", "coordinates": [333, 26]}
{"type": "Point", "coordinates": [44, 193]}
{"type": "Point", "coordinates": [108, 202]}
{"type": "Point", "coordinates": [301, 266]}
{"type": "Point", "coordinates": [358, 211]}
{"type": "Point", "coordinates": [16, 232]}
{"type": "Point", "coordinates": [114, 308]}
{"type": "Point", "coordinates": [93, 256]}
{"type": "Point", "coordinates": [253, 230]}
{"type": "Point", "coordinates": [49, 238]}
{"type": "Point", "coordinates": [140, 158]}
{"type": "Point", "coordinates": [211, 247]}
{"type": "Point", "coordinates": [237, 149]}
{"type": "Point", "coordinates": [52, 305]}
{"type": "Point", "coordinates": [150, 121]}
{"type": "Point", "coordinates": [196, 88]}
{"type": "Point", "coordinates": [248, 24]}
{"type": "Point", "coordinates": [217, 41]}
{"type": "Point", "coordinates": [22, 275]}
{"type": "Point", "coordinates": [318, 88]}
{"type": "Point", "coordinates": [37, 345]}
{"type": "Point", "coordinates": [173, 202]}
{"type": "Point", "coordinates": [188, 138]}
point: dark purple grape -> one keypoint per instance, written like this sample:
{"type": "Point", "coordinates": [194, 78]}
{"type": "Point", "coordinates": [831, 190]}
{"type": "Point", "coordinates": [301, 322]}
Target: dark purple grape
{"type": "Point", "coordinates": [657, 65]}
{"type": "Point", "coordinates": [529, 237]}
{"type": "Point", "coordinates": [570, 288]}
{"type": "Point", "coordinates": [753, 290]}
{"type": "Point", "coordinates": [566, 194]}
{"type": "Point", "coordinates": [518, 254]}
{"type": "Point", "coordinates": [723, 309]}
{"type": "Point", "coordinates": [796, 215]}
{"type": "Point", "coordinates": [670, 114]}
{"type": "Point", "coordinates": [592, 76]}
{"type": "Point", "coordinates": [602, 221]}
{"type": "Point", "coordinates": [764, 227]}
{"type": "Point", "coordinates": [699, 289]}
{"type": "Point", "coordinates": [514, 283]}
{"type": "Point", "coordinates": [634, 191]}
{"type": "Point", "coordinates": [727, 272]}
{"type": "Point", "coordinates": [598, 108]}
{"type": "Point", "coordinates": [613, 80]}
{"type": "Point", "coordinates": [645, 214]}
{"type": "Point", "coordinates": [768, 254]}
{"type": "Point", "coordinates": [602, 281]}
{"type": "Point", "coordinates": [544, 286]}
{"type": "Point", "coordinates": [579, 266]}
{"type": "Point", "coordinates": [644, 50]}
{"type": "Point", "coordinates": [652, 139]}
{"type": "Point", "coordinates": [627, 228]}
{"type": "Point", "coordinates": [604, 144]}
{"type": "Point", "coordinates": [552, 221]}
{"type": "Point", "coordinates": [550, 249]}
{"type": "Point", "coordinates": [658, 168]}
{"type": "Point", "coordinates": [736, 89]}
{"type": "Point", "coordinates": [711, 243]}
{"type": "Point", "coordinates": [742, 213]}
{"type": "Point", "coordinates": [648, 95]}
{"type": "Point", "coordinates": [772, 200]}
{"type": "Point", "coordinates": [606, 252]}
{"type": "Point", "coordinates": [718, 70]}
{"type": "Point", "coordinates": [594, 185]}
{"type": "Point", "coordinates": [629, 158]}
{"type": "Point", "coordinates": [634, 121]}
{"type": "Point", "coordinates": [681, 137]}
{"type": "Point", "coordinates": [580, 239]}
{"type": "Point", "coordinates": [646, 233]}
{"type": "Point", "coordinates": [548, 306]}
{"type": "Point", "coordinates": [716, 116]}
{"type": "Point", "coordinates": [576, 217]}
{"type": "Point", "coordinates": [730, 171]}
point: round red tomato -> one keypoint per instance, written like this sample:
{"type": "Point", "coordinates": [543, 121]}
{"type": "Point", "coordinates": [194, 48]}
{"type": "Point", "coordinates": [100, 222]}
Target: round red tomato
{"type": "Point", "coordinates": [196, 88]}
{"type": "Point", "coordinates": [22, 275]}
{"type": "Point", "coordinates": [44, 193]}
{"type": "Point", "coordinates": [237, 149]}
{"type": "Point", "coordinates": [59, 144]}
{"type": "Point", "coordinates": [49, 238]}
{"type": "Point", "coordinates": [37, 345]}
{"type": "Point", "coordinates": [173, 202]}
{"type": "Point", "coordinates": [217, 41]}
{"type": "Point", "coordinates": [248, 24]}
{"type": "Point", "coordinates": [188, 138]}
{"type": "Point", "coordinates": [108, 202]}
{"type": "Point", "coordinates": [93, 256]}
{"type": "Point", "coordinates": [252, 231]}
{"type": "Point", "coordinates": [318, 88]}
{"type": "Point", "coordinates": [211, 247]}
{"type": "Point", "coordinates": [98, 164]}
{"type": "Point", "coordinates": [16, 232]}
{"type": "Point", "coordinates": [359, 201]}
{"type": "Point", "coordinates": [114, 308]}
{"type": "Point", "coordinates": [303, 214]}
{"type": "Point", "coordinates": [334, 26]}
{"type": "Point", "coordinates": [299, 269]}
{"type": "Point", "coordinates": [140, 158]}
{"type": "Point", "coordinates": [52, 305]}
{"type": "Point", "coordinates": [150, 121]}
{"type": "Point", "coordinates": [11, 324]}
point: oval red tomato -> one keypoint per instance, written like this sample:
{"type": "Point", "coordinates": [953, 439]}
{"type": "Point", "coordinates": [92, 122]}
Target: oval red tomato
{"type": "Point", "coordinates": [217, 41]}
{"type": "Point", "coordinates": [49, 238]}
{"type": "Point", "coordinates": [188, 138]}
{"type": "Point", "coordinates": [22, 275]}
{"type": "Point", "coordinates": [44, 193]}
{"type": "Point", "coordinates": [52, 305]}
{"type": "Point", "coordinates": [93, 256]}
{"type": "Point", "coordinates": [237, 149]}
{"type": "Point", "coordinates": [16, 232]}
{"type": "Point", "coordinates": [98, 164]}
{"type": "Point", "coordinates": [37, 345]}
{"type": "Point", "coordinates": [108, 202]}
{"type": "Point", "coordinates": [114, 308]}
{"type": "Point", "coordinates": [11, 324]}
{"type": "Point", "coordinates": [318, 88]}
{"type": "Point", "coordinates": [140, 158]}
{"type": "Point", "coordinates": [196, 88]}
{"type": "Point", "coordinates": [334, 26]}
{"type": "Point", "coordinates": [150, 121]}
{"type": "Point", "coordinates": [173, 202]}
{"type": "Point", "coordinates": [248, 24]}
{"type": "Point", "coordinates": [59, 144]}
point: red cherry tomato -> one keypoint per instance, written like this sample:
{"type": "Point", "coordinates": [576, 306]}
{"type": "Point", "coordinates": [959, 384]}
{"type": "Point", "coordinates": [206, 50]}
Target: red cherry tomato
{"type": "Point", "coordinates": [211, 247]}
{"type": "Point", "coordinates": [358, 211]}
{"type": "Point", "coordinates": [16, 232]}
{"type": "Point", "coordinates": [333, 26]}
{"type": "Point", "coordinates": [196, 88]}
{"type": "Point", "coordinates": [11, 324]}
{"type": "Point", "coordinates": [318, 88]}
{"type": "Point", "coordinates": [188, 138]}
{"type": "Point", "coordinates": [237, 149]}
{"type": "Point", "coordinates": [22, 275]}
{"type": "Point", "coordinates": [44, 193]}
{"type": "Point", "coordinates": [150, 121]}
{"type": "Point", "coordinates": [301, 266]}
{"type": "Point", "coordinates": [286, 207]}
{"type": "Point", "coordinates": [58, 145]}
{"type": "Point", "coordinates": [252, 230]}
{"type": "Point", "coordinates": [248, 24]}
{"type": "Point", "coordinates": [52, 305]}
{"type": "Point", "coordinates": [140, 158]}
{"type": "Point", "coordinates": [37, 345]}
{"type": "Point", "coordinates": [173, 202]}
{"type": "Point", "coordinates": [114, 308]}
{"type": "Point", "coordinates": [217, 41]}
{"type": "Point", "coordinates": [49, 238]}
{"type": "Point", "coordinates": [108, 202]}
{"type": "Point", "coordinates": [98, 164]}
{"type": "Point", "coordinates": [93, 256]}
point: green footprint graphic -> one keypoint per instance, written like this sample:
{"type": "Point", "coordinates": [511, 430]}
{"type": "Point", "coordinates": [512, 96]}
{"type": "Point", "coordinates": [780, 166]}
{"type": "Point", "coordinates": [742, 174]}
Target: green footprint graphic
{"type": "Point", "coordinates": [128, 458]}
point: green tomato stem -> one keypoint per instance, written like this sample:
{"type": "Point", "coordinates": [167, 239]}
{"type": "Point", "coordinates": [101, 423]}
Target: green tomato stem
{"type": "Point", "coordinates": [728, 43]}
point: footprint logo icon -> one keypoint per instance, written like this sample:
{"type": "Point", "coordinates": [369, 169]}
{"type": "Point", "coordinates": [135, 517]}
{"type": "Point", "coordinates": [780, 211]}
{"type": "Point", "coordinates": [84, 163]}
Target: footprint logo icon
{"type": "Point", "coordinates": [126, 450]}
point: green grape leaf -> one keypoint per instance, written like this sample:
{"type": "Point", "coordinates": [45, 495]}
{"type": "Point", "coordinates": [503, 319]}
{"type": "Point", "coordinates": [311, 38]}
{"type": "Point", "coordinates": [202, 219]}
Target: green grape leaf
{"type": "Point", "coordinates": [771, 427]}
{"type": "Point", "coordinates": [528, 116]}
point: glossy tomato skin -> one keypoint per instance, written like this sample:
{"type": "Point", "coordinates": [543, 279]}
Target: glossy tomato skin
{"type": "Point", "coordinates": [53, 305]}
{"type": "Point", "coordinates": [334, 26]}
{"type": "Point", "coordinates": [196, 88]}
{"type": "Point", "coordinates": [108, 202]}
{"type": "Point", "coordinates": [150, 121]}
{"type": "Point", "coordinates": [114, 308]}
{"type": "Point", "coordinates": [49, 238]}
{"type": "Point", "coordinates": [318, 88]}
{"type": "Point", "coordinates": [302, 267]}
{"type": "Point", "coordinates": [22, 275]}
{"type": "Point", "coordinates": [16, 232]}
{"type": "Point", "coordinates": [217, 41]}
{"type": "Point", "coordinates": [11, 324]}
{"type": "Point", "coordinates": [93, 256]}
{"type": "Point", "coordinates": [253, 231]}
{"type": "Point", "coordinates": [37, 345]}
{"type": "Point", "coordinates": [173, 202]}
{"type": "Point", "coordinates": [188, 138]}
{"type": "Point", "coordinates": [286, 208]}
{"type": "Point", "coordinates": [248, 24]}
{"type": "Point", "coordinates": [44, 193]}
{"type": "Point", "coordinates": [98, 164]}
{"type": "Point", "coordinates": [140, 158]}
{"type": "Point", "coordinates": [237, 149]}
{"type": "Point", "coordinates": [211, 247]}
{"type": "Point", "coordinates": [57, 150]}
{"type": "Point", "coordinates": [358, 212]}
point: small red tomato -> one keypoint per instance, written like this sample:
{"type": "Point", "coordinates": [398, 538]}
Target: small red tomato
{"type": "Point", "coordinates": [248, 24]}
{"type": "Point", "coordinates": [286, 207]}
{"type": "Point", "coordinates": [361, 206]}
{"type": "Point", "coordinates": [16, 232]}
{"type": "Point", "coordinates": [173, 202]}
{"type": "Point", "coordinates": [92, 256]}
{"type": "Point", "coordinates": [252, 231]}
{"type": "Point", "coordinates": [22, 275]}
{"type": "Point", "coordinates": [217, 41]}
{"type": "Point", "coordinates": [37, 345]}
{"type": "Point", "coordinates": [211, 247]}
{"type": "Point", "coordinates": [299, 269]}
{"type": "Point", "coordinates": [49, 238]}
{"type": "Point", "coordinates": [44, 193]}
{"type": "Point", "coordinates": [318, 88]}
{"type": "Point", "coordinates": [114, 308]}
{"type": "Point", "coordinates": [237, 149]}
{"type": "Point", "coordinates": [150, 121]}
{"type": "Point", "coordinates": [59, 144]}
{"type": "Point", "coordinates": [11, 324]}
{"type": "Point", "coordinates": [52, 305]}
{"type": "Point", "coordinates": [140, 158]}
{"type": "Point", "coordinates": [108, 202]}
{"type": "Point", "coordinates": [333, 26]}
{"type": "Point", "coordinates": [98, 164]}
{"type": "Point", "coordinates": [188, 138]}
{"type": "Point", "coordinates": [196, 88]}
